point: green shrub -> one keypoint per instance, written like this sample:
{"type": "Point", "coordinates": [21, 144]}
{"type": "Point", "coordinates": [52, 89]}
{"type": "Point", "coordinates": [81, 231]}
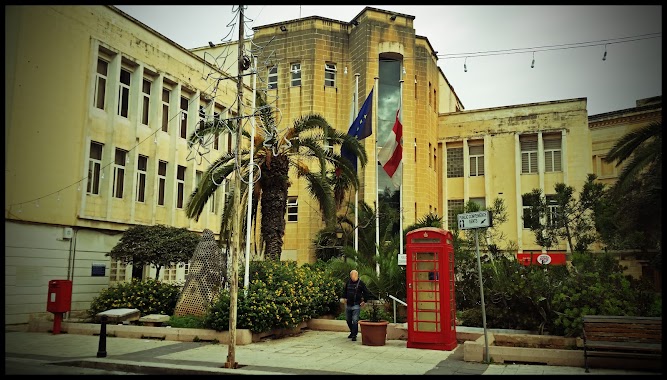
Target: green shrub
{"type": "Point", "coordinates": [279, 295]}
{"type": "Point", "coordinates": [186, 321]}
{"type": "Point", "coordinates": [597, 286]}
{"type": "Point", "coordinates": [148, 296]}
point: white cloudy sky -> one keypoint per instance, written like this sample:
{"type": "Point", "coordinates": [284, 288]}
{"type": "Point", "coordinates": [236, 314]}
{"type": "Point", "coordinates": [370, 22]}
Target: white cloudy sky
{"type": "Point", "coordinates": [633, 70]}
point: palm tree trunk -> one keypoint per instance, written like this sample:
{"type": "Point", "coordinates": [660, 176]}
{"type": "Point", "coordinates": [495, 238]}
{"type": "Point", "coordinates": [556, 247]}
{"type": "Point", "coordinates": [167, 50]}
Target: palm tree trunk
{"type": "Point", "coordinates": [274, 182]}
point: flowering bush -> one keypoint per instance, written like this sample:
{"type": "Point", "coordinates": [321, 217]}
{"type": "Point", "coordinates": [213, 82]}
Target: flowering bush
{"type": "Point", "coordinates": [279, 295]}
{"type": "Point", "coordinates": [148, 296]}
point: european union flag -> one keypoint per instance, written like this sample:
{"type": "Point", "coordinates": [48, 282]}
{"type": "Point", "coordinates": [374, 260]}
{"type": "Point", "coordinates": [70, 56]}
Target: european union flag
{"type": "Point", "coordinates": [361, 128]}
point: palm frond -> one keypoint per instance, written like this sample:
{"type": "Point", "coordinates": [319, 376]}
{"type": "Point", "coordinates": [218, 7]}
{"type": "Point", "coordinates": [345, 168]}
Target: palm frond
{"type": "Point", "coordinates": [627, 144]}
{"type": "Point", "coordinates": [320, 189]}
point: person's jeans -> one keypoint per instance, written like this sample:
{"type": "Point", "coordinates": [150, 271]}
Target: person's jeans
{"type": "Point", "coordinates": [352, 317]}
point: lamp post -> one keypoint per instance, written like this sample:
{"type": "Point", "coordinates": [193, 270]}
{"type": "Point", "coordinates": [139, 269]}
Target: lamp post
{"type": "Point", "coordinates": [339, 238]}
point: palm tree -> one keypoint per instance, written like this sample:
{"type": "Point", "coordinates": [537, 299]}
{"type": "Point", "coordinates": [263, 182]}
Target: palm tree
{"type": "Point", "coordinates": [642, 148]}
{"type": "Point", "coordinates": [637, 195]}
{"type": "Point", "coordinates": [300, 147]}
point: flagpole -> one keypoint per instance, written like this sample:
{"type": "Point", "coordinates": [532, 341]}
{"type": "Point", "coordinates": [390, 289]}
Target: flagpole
{"type": "Point", "coordinates": [356, 193]}
{"type": "Point", "coordinates": [400, 187]}
{"type": "Point", "coordinates": [377, 199]}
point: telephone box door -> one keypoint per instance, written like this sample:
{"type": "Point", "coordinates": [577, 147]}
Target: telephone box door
{"type": "Point", "coordinates": [430, 281]}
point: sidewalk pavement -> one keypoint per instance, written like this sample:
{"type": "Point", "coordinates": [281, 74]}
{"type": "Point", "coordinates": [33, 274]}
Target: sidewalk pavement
{"type": "Point", "coordinates": [310, 352]}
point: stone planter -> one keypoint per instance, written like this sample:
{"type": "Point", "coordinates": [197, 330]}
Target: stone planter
{"type": "Point", "coordinates": [373, 333]}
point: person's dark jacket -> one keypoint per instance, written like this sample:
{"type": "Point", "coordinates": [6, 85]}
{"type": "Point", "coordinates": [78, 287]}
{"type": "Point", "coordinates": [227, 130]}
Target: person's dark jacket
{"type": "Point", "coordinates": [356, 291]}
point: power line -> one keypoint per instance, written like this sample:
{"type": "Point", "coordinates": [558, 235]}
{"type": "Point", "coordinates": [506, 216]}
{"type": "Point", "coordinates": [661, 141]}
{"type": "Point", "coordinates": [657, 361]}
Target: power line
{"type": "Point", "coordinates": [552, 47]}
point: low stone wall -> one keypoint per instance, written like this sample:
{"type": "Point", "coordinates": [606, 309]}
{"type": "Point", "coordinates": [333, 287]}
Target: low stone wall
{"type": "Point", "coordinates": [473, 351]}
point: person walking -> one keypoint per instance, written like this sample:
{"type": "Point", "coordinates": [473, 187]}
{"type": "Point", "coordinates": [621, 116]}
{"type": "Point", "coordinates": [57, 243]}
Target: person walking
{"type": "Point", "coordinates": [356, 294]}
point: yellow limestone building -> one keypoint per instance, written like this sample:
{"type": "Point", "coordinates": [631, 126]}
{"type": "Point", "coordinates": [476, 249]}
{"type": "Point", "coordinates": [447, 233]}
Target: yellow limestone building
{"type": "Point", "coordinates": [97, 108]}
{"type": "Point", "coordinates": [450, 155]}
{"type": "Point", "coordinates": [98, 104]}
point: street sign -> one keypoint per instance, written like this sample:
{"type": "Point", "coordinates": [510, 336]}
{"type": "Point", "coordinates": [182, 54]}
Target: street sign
{"type": "Point", "coordinates": [470, 220]}
{"type": "Point", "coordinates": [402, 259]}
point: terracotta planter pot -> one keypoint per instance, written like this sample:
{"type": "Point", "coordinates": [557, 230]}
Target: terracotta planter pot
{"type": "Point", "coordinates": [373, 333]}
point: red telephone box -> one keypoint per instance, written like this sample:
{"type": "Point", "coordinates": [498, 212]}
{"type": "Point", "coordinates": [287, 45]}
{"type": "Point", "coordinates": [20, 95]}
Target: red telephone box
{"type": "Point", "coordinates": [430, 278]}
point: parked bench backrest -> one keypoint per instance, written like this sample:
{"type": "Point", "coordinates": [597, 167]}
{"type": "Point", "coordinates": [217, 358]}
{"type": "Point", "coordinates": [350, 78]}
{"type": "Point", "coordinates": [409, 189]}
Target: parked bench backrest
{"type": "Point", "coordinates": [623, 329]}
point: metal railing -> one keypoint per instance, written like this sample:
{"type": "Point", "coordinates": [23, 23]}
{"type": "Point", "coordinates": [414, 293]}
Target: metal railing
{"type": "Point", "coordinates": [396, 300]}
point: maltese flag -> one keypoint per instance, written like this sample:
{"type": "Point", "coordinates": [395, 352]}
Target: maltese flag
{"type": "Point", "coordinates": [392, 152]}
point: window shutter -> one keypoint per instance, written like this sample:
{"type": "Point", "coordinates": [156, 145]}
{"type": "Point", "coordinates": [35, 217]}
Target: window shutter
{"type": "Point", "coordinates": [525, 168]}
{"type": "Point", "coordinates": [476, 150]}
{"type": "Point", "coordinates": [551, 144]}
{"type": "Point", "coordinates": [557, 161]}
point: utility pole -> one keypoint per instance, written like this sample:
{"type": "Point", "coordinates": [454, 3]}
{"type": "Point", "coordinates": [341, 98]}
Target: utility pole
{"type": "Point", "coordinates": [236, 237]}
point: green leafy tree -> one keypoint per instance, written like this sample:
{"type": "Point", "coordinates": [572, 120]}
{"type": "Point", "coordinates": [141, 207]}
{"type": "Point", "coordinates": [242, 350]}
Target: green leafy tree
{"type": "Point", "coordinates": [301, 147]}
{"type": "Point", "coordinates": [157, 245]}
{"type": "Point", "coordinates": [564, 216]}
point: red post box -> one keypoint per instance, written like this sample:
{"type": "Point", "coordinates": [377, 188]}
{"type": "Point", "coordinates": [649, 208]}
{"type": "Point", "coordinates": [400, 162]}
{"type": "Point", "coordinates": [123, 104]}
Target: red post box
{"type": "Point", "coordinates": [59, 301]}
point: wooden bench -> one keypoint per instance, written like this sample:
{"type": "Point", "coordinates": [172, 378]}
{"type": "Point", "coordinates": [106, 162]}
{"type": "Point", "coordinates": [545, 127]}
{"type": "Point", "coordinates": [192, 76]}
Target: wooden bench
{"type": "Point", "coordinates": [622, 337]}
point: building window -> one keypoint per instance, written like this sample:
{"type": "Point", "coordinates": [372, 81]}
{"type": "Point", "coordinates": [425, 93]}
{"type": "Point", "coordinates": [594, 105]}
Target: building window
{"type": "Point", "coordinates": [117, 271]}
{"type": "Point", "coordinates": [481, 202]}
{"type": "Point", "coordinates": [142, 165]}
{"type": "Point", "coordinates": [528, 154]}
{"type": "Point", "coordinates": [94, 167]}
{"type": "Point", "coordinates": [180, 180]}
{"type": "Point", "coordinates": [292, 209]}
{"type": "Point", "coordinates": [295, 71]}
{"type": "Point", "coordinates": [552, 153]}
{"type": "Point", "coordinates": [124, 93]}
{"type": "Point", "coordinates": [146, 99]}
{"type": "Point", "coordinates": [330, 74]}
{"type": "Point", "coordinates": [101, 83]}
{"type": "Point", "coordinates": [415, 149]}
{"type": "Point", "coordinates": [476, 156]}
{"type": "Point", "coordinates": [119, 173]}
{"type": "Point", "coordinates": [272, 78]}
{"type": "Point", "coordinates": [415, 87]}
{"type": "Point", "coordinates": [429, 93]}
{"type": "Point", "coordinates": [429, 155]}
{"type": "Point", "coordinates": [161, 181]}
{"type": "Point", "coordinates": [202, 116]}
{"type": "Point", "coordinates": [165, 109]}
{"type": "Point", "coordinates": [435, 100]}
{"type": "Point", "coordinates": [527, 204]}
{"type": "Point", "coordinates": [169, 273]}
{"type": "Point", "coordinates": [553, 212]}
{"type": "Point", "coordinates": [454, 207]}
{"type": "Point", "coordinates": [186, 269]}
{"type": "Point", "coordinates": [454, 162]}
{"type": "Point", "coordinates": [184, 117]}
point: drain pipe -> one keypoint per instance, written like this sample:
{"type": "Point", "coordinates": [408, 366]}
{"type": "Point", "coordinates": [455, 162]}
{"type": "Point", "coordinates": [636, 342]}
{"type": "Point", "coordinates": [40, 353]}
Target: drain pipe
{"type": "Point", "coordinates": [70, 264]}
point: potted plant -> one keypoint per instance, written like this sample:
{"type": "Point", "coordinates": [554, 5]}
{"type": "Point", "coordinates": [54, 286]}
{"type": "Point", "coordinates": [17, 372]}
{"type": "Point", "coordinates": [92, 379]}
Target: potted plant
{"type": "Point", "coordinates": [374, 329]}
